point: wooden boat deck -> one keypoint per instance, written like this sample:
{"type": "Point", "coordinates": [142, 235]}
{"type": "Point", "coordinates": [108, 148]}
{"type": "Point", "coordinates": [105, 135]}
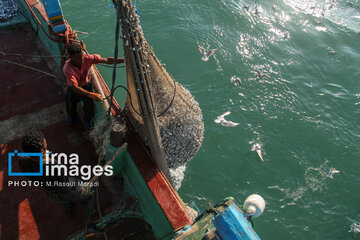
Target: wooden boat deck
{"type": "Point", "coordinates": [33, 99]}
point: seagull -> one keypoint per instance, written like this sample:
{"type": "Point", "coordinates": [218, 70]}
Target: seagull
{"type": "Point", "coordinates": [332, 51]}
{"type": "Point", "coordinates": [257, 147]}
{"type": "Point", "coordinates": [355, 227]}
{"type": "Point", "coordinates": [256, 11]}
{"type": "Point", "coordinates": [235, 80]}
{"type": "Point", "coordinates": [260, 75]}
{"type": "Point", "coordinates": [220, 119]}
{"type": "Point", "coordinates": [245, 6]}
{"type": "Point", "coordinates": [205, 54]}
{"type": "Point", "coordinates": [332, 172]}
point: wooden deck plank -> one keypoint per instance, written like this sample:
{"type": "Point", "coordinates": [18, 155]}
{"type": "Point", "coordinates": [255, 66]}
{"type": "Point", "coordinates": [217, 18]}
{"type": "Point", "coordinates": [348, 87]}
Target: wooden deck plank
{"type": "Point", "coordinates": [22, 89]}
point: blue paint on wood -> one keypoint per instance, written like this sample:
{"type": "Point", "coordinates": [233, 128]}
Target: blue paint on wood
{"type": "Point", "coordinates": [231, 224]}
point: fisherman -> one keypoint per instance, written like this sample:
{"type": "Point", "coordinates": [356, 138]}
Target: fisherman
{"type": "Point", "coordinates": [76, 71]}
{"type": "Point", "coordinates": [68, 194]}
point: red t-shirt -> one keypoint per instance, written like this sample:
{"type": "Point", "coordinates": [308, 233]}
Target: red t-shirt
{"type": "Point", "coordinates": [80, 77]}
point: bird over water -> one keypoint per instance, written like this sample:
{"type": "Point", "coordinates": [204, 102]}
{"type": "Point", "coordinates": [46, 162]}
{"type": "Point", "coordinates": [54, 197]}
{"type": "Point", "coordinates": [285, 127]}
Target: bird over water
{"type": "Point", "coordinates": [332, 171]}
{"type": "Point", "coordinates": [205, 54]}
{"type": "Point", "coordinates": [257, 147]}
{"type": "Point", "coordinates": [221, 120]}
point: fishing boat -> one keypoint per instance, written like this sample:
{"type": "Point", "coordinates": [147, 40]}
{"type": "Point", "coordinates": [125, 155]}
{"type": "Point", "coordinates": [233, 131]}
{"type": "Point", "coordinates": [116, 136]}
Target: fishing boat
{"type": "Point", "coordinates": [158, 129]}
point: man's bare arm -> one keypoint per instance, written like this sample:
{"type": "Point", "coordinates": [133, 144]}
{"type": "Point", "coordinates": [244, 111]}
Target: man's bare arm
{"type": "Point", "coordinates": [79, 90]}
{"type": "Point", "coordinates": [110, 60]}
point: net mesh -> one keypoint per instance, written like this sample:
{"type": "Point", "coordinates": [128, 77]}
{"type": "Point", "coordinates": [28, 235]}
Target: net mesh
{"type": "Point", "coordinates": [179, 116]}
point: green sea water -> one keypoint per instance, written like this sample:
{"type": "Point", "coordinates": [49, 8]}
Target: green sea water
{"type": "Point", "coordinates": [305, 116]}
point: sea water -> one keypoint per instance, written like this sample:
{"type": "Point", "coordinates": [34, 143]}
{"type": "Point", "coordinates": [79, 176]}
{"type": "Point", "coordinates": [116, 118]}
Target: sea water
{"type": "Point", "coordinates": [305, 116]}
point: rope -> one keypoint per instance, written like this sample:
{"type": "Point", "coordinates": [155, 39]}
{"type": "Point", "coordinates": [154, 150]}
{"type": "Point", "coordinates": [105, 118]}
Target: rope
{"type": "Point", "coordinates": [172, 100]}
{"type": "Point", "coordinates": [111, 103]}
{"type": "Point", "coordinates": [97, 177]}
{"type": "Point", "coordinates": [25, 66]}
{"type": "Point", "coordinates": [196, 208]}
{"type": "Point", "coordinates": [141, 57]}
{"type": "Point", "coordinates": [29, 55]}
{"type": "Point", "coordinates": [137, 11]}
{"type": "Point", "coordinates": [132, 106]}
{"type": "Point", "coordinates": [81, 32]}
{"type": "Point", "coordinates": [104, 65]}
{"type": "Point", "coordinates": [67, 37]}
{"type": "Point", "coordinates": [38, 21]}
{"type": "Point", "coordinates": [99, 209]}
{"type": "Point", "coordinates": [117, 33]}
{"type": "Point", "coordinates": [251, 221]}
{"type": "Point", "coordinates": [97, 188]}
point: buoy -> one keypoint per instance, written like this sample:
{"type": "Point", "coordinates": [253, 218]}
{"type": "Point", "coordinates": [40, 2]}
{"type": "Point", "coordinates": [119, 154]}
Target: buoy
{"type": "Point", "coordinates": [254, 205]}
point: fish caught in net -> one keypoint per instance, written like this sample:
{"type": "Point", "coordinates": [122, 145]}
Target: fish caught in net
{"type": "Point", "coordinates": [178, 115]}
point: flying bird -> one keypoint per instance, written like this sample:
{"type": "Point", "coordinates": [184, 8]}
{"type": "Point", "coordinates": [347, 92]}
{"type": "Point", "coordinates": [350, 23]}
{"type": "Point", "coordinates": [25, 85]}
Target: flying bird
{"type": "Point", "coordinates": [332, 172]}
{"type": "Point", "coordinates": [257, 147]}
{"type": "Point", "coordinates": [261, 75]}
{"type": "Point", "coordinates": [235, 80]}
{"type": "Point", "coordinates": [256, 11]}
{"type": "Point", "coordinates": [205, 54]}
{"type": "Point", "coordinates": [221, 120]}
{"type": "Point", "coordinates": [355, 227]}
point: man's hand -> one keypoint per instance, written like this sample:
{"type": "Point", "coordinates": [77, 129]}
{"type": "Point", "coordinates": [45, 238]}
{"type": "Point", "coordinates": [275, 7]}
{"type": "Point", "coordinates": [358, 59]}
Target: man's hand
{"type": "Point", "coordinates": [97, 97]}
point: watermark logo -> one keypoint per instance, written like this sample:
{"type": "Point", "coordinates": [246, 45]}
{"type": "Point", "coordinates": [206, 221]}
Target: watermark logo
{"type": "Point", "coordinates": [27, 174]}
{"type": "Point", "coordinates": [60, 164]}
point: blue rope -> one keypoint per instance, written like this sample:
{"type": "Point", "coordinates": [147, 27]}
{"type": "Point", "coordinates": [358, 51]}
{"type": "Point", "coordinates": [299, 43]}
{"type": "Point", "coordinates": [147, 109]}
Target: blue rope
{"type": "Point", "coordinates": [137, 11]}
{"type": "Point", "coordinates": [196, 208]}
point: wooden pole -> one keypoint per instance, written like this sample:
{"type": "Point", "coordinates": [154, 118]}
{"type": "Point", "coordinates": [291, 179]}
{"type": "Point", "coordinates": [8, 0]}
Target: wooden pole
{"type": "Point", "coordinates": [141, 79]}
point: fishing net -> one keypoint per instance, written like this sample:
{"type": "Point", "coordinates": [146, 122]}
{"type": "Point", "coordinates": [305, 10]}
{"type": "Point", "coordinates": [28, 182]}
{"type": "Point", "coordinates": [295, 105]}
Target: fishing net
{"type": "Point", "coordinates": [100, 135]}
{"type": "Point", "coordinates": [179, 116]}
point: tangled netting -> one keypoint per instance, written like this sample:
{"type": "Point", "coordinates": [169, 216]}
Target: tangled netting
{"type": "Point", "coordinates": [100, 134]}
{"type": "Point", "coordinates": [8, 9]}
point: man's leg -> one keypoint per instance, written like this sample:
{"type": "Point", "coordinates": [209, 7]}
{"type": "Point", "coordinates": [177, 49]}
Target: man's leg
{"type": "Point", "coordinates": [89, 107]}
{"type": "Point", "coordinates": [71, 101]}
